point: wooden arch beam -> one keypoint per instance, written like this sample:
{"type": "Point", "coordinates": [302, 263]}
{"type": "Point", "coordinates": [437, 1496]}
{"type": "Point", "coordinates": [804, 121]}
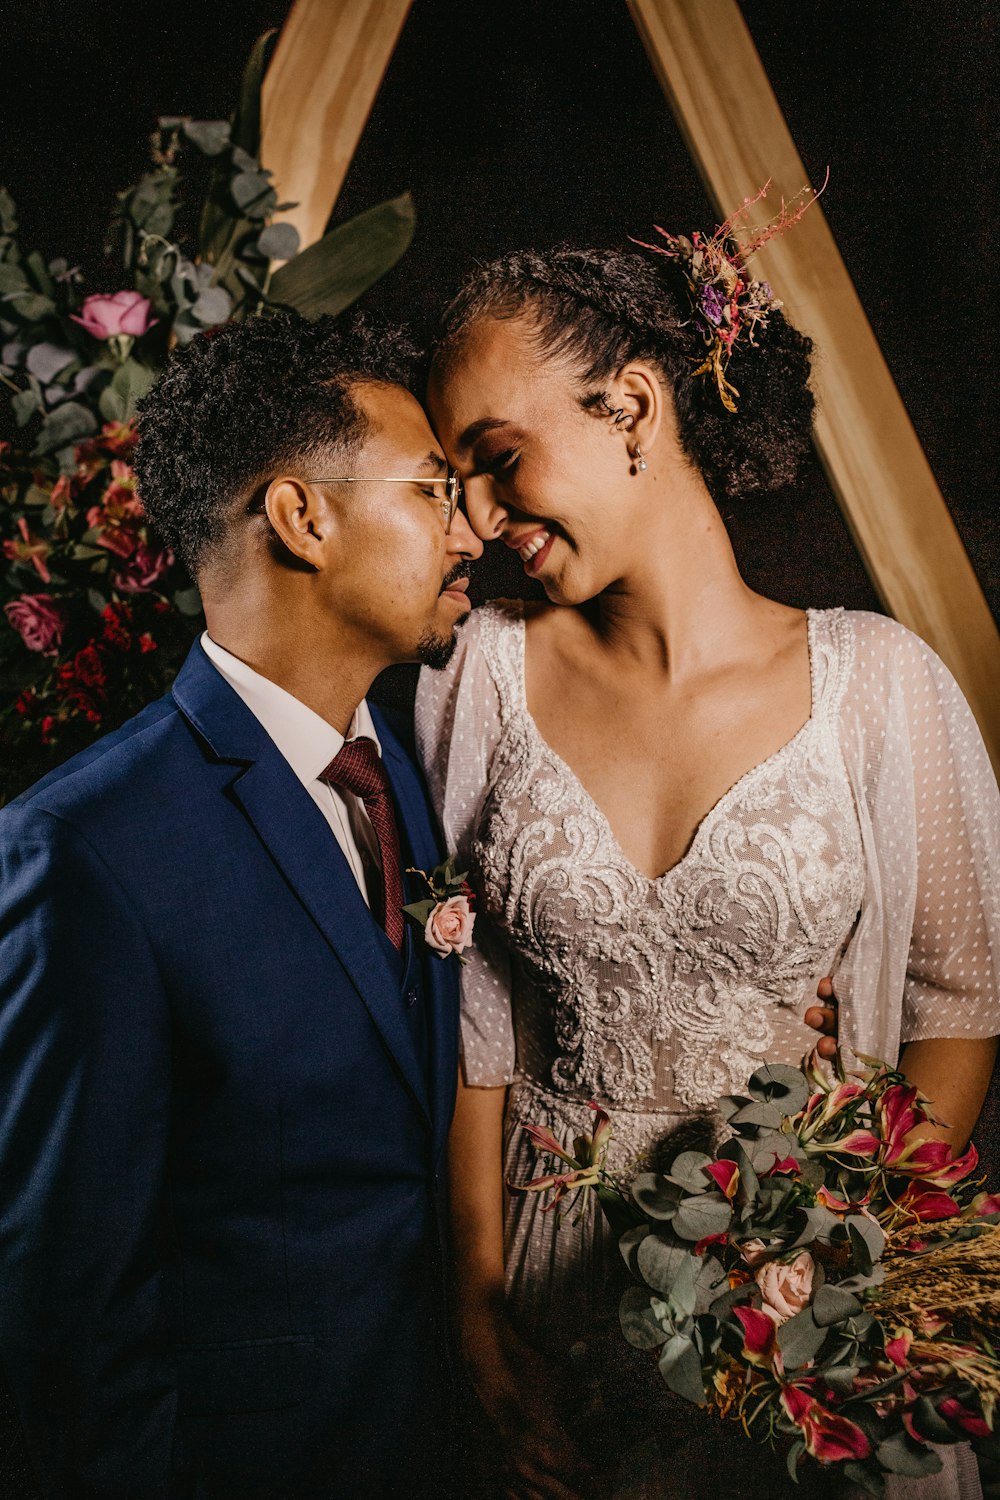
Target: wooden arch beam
{"type": "Point", "coordinates": [705, 59]}
{"type": "Point", "coordinates": [317, 94]}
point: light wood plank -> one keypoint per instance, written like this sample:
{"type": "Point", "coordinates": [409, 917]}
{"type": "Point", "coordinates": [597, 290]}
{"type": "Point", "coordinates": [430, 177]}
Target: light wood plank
{"type": "Point", "coordinates": [328, 64]}
{"type": "Point", "coordinates": [706, 61]}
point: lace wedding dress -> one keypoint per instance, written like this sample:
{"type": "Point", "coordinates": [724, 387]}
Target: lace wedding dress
{"type": "Point", "coordinates": [868, 846]}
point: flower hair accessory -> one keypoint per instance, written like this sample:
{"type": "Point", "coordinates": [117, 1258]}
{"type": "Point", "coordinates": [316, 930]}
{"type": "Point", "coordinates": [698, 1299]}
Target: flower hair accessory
{"type": "Point", "coordinates": [728, 303]}
{"type": "Point", "coordinates": [445, 915]}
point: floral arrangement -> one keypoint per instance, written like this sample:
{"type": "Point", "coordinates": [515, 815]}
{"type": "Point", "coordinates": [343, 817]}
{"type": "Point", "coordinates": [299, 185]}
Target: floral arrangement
{"type": "Point", "coordinates": [829, 1277]}
{"type": "Point", "coordinates": [728, 303]}
{"type": "Point", "coordinates": [96, 613]}
{"type": "Point", "coordinates": [445, 914]}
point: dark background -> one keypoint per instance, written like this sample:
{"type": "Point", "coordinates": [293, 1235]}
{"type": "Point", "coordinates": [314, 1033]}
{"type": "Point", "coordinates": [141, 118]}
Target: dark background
{"type": "Point", "coordinates": [518, 123]}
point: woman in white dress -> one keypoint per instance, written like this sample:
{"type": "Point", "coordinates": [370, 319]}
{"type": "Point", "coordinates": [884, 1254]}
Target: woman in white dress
{"type": "Point", "coordinates": [683, 804]}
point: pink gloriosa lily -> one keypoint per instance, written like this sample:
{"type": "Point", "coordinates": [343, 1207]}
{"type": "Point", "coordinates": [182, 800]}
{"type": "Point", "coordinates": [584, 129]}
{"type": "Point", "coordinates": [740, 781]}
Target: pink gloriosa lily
{"type": "Point", "coordinates": [725, 1175]}
{"type": "Point", "coordinates": [759, 1335]}
{"type": "Point", "coordinates": [828, 1437]}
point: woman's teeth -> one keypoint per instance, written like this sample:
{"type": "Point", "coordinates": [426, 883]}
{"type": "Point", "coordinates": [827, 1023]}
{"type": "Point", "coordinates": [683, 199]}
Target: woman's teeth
{"type": "Point", "coordinates": [530, 548]}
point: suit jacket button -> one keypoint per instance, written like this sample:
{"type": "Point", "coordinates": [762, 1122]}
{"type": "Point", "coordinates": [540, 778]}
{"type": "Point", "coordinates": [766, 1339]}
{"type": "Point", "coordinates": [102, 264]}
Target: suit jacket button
{"type": "Point", "coordinates": [411, 997]}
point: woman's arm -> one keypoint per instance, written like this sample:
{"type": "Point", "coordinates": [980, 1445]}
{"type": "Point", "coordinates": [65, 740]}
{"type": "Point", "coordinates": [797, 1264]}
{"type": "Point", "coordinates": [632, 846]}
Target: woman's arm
{"type": "Point", "coordinates": [954, 1073]}
{"type": "Point", "coordinates": [518, 1388]}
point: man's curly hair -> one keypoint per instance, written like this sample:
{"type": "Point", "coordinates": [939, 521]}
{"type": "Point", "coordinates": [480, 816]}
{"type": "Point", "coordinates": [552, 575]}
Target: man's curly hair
{"type": "Point", "coordinates": [240, 403]}
{"type": "Point", "coordinates": [599, 309]}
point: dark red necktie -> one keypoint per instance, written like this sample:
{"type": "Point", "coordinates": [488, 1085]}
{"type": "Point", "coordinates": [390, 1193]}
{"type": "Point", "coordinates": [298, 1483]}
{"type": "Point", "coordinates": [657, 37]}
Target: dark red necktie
{"type": "Point", "coordinates": [358, 769]}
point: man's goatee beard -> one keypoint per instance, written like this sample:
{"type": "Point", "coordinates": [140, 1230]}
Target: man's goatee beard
{"type": "Point", "coordinates": [436, 651]}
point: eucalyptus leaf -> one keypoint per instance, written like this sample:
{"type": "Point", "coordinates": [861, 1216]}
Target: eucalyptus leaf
{"type": "Point", "coordinates": [656, 1195]}
{"type": "Point", "coordinates": [687, 1171]}
{"type": "Point", "coordinates": [840, 1377]}
{"type": "Point", "coordinates": [659, 1262]}
{"type": "Point", "coordinates": [816, 1223]}
{"type": "Point", "coordinates": [680, 1367]}
{"type": "Point", "coordinates": [130, 383]}
{"type": "Point", "coordinates": [213, 306]}
{"type": "Point", "coordinates": [683, 1293]}
{"type": "Point", "coordinates": [188, 601]}
{"type": "Point", "coordinates": [47, 360]}
{"type": "Point", "coordinates": [210, 136]}
{"type": "Point", "coordinates": [782, 1085]}
{"type": "Point", "coordinates": [12, 278]}
{"type": "Point", "coordinates": [832, 1304]}
{"type": "Point", "coordinates": [639, 1323]}
{"type": "Point", "coordinates": [278, 241]}
{"type": "Point", "coordinates": [249, 190]}
{"type": "Point", "coordinates": [929, 1422]}
{"type": "Point", "coordinates": [66, 425]}
{"type": "Point", "coordinates": [628, 1245]}
{"type": "Point", "coordinates": [901, 1455]}
{"type": "Point", "coordinates": [8, 213]}
{"type": "Point", "coordinates": [30, 305]}
{"type": "Point", "coordinates": [795, 1452]}
{"type": "Point", "coordinates": [730, 1103]}
{"type": "Point", "coordinates": [333, 273]}
{"type": "Point", "coordinates": [758, 1112]}
{"type": "Point", "coordinates": [870, 1231]}
{"type": "Point", "coordinates": [865, 1478]}
{"type": "Point", "coordinates": [24, 406]}
{"type": "Point", "coordinates": [708, 1213]}
{"type": "Point", "coordinates": [800, 1339]}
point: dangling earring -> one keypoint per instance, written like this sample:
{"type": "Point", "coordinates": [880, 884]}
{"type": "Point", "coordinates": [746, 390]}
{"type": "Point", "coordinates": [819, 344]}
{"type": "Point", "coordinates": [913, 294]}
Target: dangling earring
{"type": "Point", "coordinates": [640, 462]}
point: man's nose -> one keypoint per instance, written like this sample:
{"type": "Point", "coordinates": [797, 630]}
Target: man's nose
{"type": "Point", "coordinates": [486, 516]}
{"type": "Point", "coordinates": [462, 539]}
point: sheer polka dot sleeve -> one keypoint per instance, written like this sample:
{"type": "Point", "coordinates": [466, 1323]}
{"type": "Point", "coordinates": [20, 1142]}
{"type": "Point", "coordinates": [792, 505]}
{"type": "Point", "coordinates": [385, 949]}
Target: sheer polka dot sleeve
{"type": "Point", "coordinates": [457, 727]}
{"type": "Point", "coordinates": [935, 826]}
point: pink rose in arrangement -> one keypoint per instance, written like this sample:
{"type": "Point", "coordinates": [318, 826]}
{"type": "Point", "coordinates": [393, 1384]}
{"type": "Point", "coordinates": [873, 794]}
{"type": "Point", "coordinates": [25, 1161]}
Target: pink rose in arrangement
{"type": "Point", "coordinates": [786, 1289]}
{"type": "Point", "coordinates": [106, 316]}
{"type": "Point", "coordinates": [38, 621]}
{"type": "Point", "coordinates": [142, 569]}
{"type": "Point", "coordinates": [449, 926]}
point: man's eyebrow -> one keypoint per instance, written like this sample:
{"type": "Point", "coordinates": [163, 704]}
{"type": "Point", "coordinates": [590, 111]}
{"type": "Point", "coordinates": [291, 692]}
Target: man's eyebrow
{"type": "Point", "coordinates": [475, 430]}
{"type": "Point", "coordinates": [434, 462]}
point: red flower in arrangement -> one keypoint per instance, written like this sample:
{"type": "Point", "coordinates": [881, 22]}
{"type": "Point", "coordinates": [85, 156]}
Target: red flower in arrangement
{"type": "Point", "coordinates": [146, 643]}
{"type": "Point", "coordinates": [89, 667]}
{"type": "Point", "coordinates": [927, 1202]}
{"type": "Point", "coordinates": [828, 1437]}
{"type": "Point", "coordinates": [30, 549]}
{"type": "Point", "coordinates": [759, 1335]}
{"type": "Point", "coordinates": [115, 617]}
{"type": "Point", "coordinates": [969, 1421]}
{"type": "Point", "coordinates": [144, 567]}
{"type": "Point", "coordinates": [725, 1175]}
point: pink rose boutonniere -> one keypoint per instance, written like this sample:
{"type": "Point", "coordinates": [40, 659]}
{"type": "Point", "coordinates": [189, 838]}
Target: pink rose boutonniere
{"type": "Point", "coordinates": [445, 915]}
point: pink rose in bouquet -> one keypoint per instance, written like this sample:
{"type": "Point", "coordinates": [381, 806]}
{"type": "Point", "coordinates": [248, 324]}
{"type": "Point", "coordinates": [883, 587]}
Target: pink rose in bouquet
{"type": "Point", "coordinates": [107, 315]}
{"type": "Point", "coordinates": [449, 926]}
{"type": "Point", "coordinates": [786, 1288]}
{"type": "Point", "coordinates": [38, 621]}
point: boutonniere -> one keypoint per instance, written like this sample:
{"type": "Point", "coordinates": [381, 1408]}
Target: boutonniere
{"type": "Point", "coordinates": [445, 915]}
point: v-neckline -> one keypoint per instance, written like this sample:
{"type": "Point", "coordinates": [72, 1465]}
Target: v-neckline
{"type": "Point", "coordinates": [718, 807]}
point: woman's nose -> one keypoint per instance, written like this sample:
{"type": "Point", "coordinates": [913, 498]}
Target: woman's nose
{"type": "Point", "coordinates": [486, 516]}
{"type": "Point", "coordinates": [462, 539]}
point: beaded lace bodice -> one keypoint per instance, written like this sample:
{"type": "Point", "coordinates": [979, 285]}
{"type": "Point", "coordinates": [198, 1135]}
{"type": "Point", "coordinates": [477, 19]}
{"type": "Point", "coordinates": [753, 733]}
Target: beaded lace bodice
{"type": "Point", "coordinates": [662, 994]}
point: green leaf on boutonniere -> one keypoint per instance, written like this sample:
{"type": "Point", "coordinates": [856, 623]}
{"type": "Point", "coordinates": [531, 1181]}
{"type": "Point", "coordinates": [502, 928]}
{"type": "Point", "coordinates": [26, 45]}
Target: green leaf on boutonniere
{"type": "Point", "coordinates": [420, 912]}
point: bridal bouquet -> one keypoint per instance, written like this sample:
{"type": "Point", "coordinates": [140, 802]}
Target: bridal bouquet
{"type": "Point", "coordinates": [830, 1277]}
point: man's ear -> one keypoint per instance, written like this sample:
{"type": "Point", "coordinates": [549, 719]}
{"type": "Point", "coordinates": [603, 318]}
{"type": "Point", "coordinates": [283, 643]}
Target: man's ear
{"type": "Point", "coordinates": [302, 519]}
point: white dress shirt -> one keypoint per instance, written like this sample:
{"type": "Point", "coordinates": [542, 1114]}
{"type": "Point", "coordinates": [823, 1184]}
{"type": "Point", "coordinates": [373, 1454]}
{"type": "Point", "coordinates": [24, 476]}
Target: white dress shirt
{"type": "Point", "coordinates": [309, 744]}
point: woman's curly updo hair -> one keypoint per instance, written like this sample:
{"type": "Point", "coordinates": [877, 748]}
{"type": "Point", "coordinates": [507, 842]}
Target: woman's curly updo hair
{"type": "Point", "coordinates": [599, 309]}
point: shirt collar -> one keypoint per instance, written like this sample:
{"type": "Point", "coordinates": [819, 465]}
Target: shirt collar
{"type": "Point", "coordinates": [306, 740]}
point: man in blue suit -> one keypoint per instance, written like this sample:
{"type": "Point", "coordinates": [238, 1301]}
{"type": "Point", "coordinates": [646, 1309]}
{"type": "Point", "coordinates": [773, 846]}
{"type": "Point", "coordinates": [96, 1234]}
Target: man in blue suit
{"type": "Point", "coordinates": [228, 1065]}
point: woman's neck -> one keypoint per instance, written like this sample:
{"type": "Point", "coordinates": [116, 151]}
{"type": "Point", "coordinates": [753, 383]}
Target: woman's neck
{"type": "Point", "coordinates": [683, 598]}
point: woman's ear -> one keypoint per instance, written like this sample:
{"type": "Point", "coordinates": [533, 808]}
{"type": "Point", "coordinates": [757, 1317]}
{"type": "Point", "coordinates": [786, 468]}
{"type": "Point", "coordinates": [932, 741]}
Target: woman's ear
{"type": "Point", "coordinates": [637, 391]}
{"type": "Point", "coordinates": [301, 518]}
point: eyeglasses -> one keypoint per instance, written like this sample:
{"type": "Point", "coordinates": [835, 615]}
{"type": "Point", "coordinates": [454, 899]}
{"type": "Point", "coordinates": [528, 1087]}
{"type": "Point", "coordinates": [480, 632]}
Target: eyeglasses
{"type": "Point", "coordinates": [449, 503]}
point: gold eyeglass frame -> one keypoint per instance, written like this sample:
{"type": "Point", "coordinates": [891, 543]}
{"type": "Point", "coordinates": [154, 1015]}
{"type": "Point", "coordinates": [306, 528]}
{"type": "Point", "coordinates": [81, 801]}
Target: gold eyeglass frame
{"type": "Point", "coordinates": [449, 505]}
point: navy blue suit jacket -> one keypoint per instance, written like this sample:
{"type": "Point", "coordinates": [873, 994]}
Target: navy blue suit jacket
{"type": "Point", "coordinates": [221, 1134]}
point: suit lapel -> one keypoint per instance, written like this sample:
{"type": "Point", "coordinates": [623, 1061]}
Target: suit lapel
{"type": "Point", "coordinates": [421, 848]}
{"type": "Point", "coordinates": [300, 842]}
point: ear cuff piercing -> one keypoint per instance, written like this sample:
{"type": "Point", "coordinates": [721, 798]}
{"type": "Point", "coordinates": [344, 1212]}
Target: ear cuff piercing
{"type": "Point", "coordinates": [640, 462]}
